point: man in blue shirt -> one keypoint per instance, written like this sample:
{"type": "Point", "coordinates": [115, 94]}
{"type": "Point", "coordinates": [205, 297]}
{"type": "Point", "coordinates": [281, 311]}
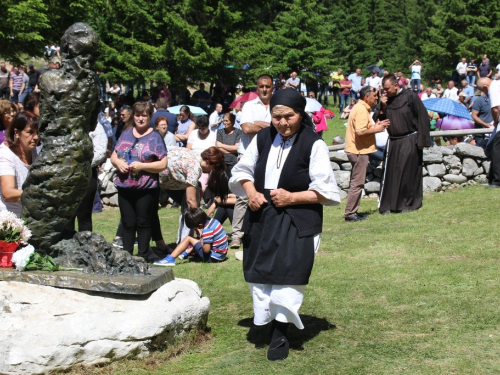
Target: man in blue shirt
{"type": "Point", "coordinates": [469, 91]}
{"type": "Point", "coordinates": [481, 113]}
{"type": "Point", "coordinates": [161, 111]}
{"type": "Point", "coordinates": [356, 83]}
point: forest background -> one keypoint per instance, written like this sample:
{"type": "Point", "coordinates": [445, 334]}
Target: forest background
{"type": "Point", "coordinates": [185, 41]}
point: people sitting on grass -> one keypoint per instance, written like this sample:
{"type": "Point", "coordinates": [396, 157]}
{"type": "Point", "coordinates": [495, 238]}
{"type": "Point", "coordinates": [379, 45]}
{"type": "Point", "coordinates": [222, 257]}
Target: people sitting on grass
{"type": "Point", "coordinates": [347, 110]}
{"type": "Point", "coordinates": [210, 243]}
{"type": "Point", "coordinates": [221, 211]}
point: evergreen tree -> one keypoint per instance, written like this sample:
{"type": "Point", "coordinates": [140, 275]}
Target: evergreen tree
{"type": "Point", "coordinates": [22, 28]}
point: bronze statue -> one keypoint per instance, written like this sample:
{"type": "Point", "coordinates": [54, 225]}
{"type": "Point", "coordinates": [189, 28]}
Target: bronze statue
{"type": "Point", "coordinates": [69, 105]}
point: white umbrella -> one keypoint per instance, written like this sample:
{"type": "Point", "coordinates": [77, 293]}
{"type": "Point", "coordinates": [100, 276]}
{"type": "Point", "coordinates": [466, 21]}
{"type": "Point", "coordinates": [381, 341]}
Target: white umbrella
{"type": "Point", "coordinates": [312, 105]}
{"type": "Point", "coordinates": [197, 111]}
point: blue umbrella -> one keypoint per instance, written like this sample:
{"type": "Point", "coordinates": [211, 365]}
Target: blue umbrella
{"type": "Point", "coordinates": [197, 111]}
{"type": "Point", "coordinates": [447, 106]}
{"type": "Point", "coordinates": [375, 68]}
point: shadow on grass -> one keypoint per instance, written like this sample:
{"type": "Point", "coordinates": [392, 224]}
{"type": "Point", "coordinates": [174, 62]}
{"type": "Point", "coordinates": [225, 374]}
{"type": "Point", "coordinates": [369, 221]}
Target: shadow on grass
{"type": "Point", "coordinates": [260, 336]}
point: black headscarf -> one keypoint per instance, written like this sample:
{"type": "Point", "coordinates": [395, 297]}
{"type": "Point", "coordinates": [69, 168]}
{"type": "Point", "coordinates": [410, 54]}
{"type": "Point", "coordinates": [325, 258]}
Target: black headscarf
{"type": "Point", "coordinates": [291, 98]}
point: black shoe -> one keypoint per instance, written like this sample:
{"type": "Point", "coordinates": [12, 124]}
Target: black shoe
{"type": "Point", "coordinates": [385, 212]}
{"type": "Point", "coordinates": [354, 217]}
{"type": "Point", "coordinates": [175, 205]}
{"type": "Point", "coordinates": [492, 186]}
{"type": "Point", "coordinates": [278, 349]}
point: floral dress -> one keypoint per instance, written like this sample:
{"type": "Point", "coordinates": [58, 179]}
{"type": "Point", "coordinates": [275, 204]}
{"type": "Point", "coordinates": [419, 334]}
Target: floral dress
{"type": "Point", "coordinates": [183, 169]}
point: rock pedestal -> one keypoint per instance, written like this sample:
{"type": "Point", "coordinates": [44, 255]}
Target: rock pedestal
{"type": "Point", "coordinates": [45, 328]}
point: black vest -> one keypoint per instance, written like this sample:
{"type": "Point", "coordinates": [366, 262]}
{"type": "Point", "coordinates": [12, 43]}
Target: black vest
{"type": "Point", "coordinates": [307, 218]}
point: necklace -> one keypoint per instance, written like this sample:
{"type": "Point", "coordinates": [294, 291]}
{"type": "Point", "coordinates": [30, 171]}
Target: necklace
{"type": "Point", "coordinates": [284, 142]}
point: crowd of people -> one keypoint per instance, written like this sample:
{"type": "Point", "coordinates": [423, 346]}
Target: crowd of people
{"type": "Point", "coordinates": [260, 165]}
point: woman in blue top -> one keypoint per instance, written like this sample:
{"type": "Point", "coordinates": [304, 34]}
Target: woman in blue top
{"type": "Point", "coordinates": [139, 156]}
{"type": "Point", "coordinates": [185, 126]}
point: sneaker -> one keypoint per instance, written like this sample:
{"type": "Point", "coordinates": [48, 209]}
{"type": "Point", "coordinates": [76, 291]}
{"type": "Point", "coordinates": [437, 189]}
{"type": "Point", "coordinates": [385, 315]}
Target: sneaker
{"type": "Point", "coordinates": [235, 243]}
{"type": "Point", "coordinates": [184, 255]}
{"type": "Point", "coordinates": [168, 261]}
{"type": "Point", "coordinates": [118, 242]}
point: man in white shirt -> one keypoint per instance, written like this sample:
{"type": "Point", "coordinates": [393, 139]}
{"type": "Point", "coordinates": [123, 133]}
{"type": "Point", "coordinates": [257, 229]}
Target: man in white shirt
{"type": "Point", "coordinates": [375, 81]}
{"type": "Point", "coordinates": [254, 117]}
{"type": "Point", "coordinates": [451, 92]}
{"type": "Point", "coordinates": [492, 89]}
{"type": "Point", "coordinates": [428, 94]}
{"type": "Point", "coordinates": [462, 69]}
{"type": "Point", "coordinates": [216, 118]}
{"type": "Point", "coordinates": [293, 82]}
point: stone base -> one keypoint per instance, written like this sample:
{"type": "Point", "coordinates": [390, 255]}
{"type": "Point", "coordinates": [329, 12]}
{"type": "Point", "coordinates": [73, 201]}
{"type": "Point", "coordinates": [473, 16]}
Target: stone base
{"type": "Point", "coordinates": [122, 284]}
{"type": "Point", "coordinates": [45, 328]}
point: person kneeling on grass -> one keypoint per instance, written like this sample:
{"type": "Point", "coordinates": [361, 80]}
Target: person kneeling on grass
{"type": "Point", "coordinates": [211, 244]}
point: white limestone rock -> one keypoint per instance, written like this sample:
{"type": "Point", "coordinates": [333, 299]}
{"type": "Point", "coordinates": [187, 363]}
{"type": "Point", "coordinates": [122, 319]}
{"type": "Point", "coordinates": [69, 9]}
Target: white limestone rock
{"type": "Point", "coordinates": [372, 187]}
{"type": "Point", "coordinates": [342, 178]}
{"type": "Point", "coordinates": [468, 150]}
{"type": "Point", "coordinates": [486, 166]}
{"type": "Point", "coordinates": [445, 150]}
{"type": "Point", "coordinates": [452, 162]}
{"type": "Point", "coordinates": [432, 184]}
{"type": "Point", "coordinates": [455, 179]}
{"type": "Point", "coordinates": [432, 155]}
{"type": "Point", "coordinates": [346, 166]}
{"type": "Point", "coordinates": [45, 328]}
{"type": "Point", "coordinates": [338, 156]}
{"type": "Point", "coordinates": [424, 171]}
{"type": "Point", "coordinates": [113, 200]}
{"type": "Point", "coordinates": [377, 172]}
{"type": "Point", "coordinates": [343, 194]}
{"type": "Point", "coordinates": [478, 171]}
{"type": "Point", "coordinates": [469, 166]}
{"type": "Point", "coordinates": [335, 166]}
{"type": "Point", "coordinates": [436, 170]}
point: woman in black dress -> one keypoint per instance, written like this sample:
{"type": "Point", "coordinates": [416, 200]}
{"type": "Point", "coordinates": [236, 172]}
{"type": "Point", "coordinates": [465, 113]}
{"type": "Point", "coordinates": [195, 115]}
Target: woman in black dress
{"type": "Point", "coordinates": [284, 176]}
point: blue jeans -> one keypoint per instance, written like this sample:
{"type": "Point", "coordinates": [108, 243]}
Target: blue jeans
{"type": "Point", "coordinates": [344, 101]}
{"type": "Point", "coordinates": [471, 80]}
{"type": "Point", "coordinates": [354, 95]}
{"type": "Point", "coordinates": [415, 85]}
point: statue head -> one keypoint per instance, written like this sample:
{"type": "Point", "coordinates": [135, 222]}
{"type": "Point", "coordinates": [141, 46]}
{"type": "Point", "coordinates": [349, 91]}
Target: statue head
{"type": "Point", "coordinates": [79, 40]}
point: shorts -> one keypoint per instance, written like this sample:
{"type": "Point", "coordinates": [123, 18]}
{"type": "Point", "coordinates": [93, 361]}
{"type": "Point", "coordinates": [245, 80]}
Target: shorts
{"type": "Point", "coordinates": [207, 257]}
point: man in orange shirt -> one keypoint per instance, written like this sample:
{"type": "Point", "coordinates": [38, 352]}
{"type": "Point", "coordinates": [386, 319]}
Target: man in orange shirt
{"type": "Point", "coordinates": [360, 141]}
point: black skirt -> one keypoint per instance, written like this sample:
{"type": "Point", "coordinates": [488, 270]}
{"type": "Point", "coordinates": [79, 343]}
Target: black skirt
{"type": "Point", "coordinates": [273, 252]}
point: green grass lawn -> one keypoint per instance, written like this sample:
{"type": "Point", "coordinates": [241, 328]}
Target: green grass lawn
{"type": "Point", "coordinates": [414, 293]}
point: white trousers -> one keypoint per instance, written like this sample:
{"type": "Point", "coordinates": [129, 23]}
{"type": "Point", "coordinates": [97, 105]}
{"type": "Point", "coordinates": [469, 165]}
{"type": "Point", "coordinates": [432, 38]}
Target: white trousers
{"type": "Point", "coordinates": [280, 302]}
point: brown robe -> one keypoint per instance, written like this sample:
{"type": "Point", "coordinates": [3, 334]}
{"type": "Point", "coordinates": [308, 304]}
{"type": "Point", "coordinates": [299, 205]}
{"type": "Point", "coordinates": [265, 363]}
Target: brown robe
{"type": "Point", "coordinates": [401, 188]}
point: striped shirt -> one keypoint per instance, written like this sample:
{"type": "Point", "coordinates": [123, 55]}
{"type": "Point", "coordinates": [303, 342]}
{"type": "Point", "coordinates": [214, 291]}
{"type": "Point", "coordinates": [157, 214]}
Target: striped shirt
{"type": "Point", "coordinates": [213, 233]}
{"type": "Point", "coordinates": [17, 81]}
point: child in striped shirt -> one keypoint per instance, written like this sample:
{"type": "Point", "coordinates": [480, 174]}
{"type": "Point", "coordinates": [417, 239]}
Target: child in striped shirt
{"type": "Point", "coordinates": [211, 244]}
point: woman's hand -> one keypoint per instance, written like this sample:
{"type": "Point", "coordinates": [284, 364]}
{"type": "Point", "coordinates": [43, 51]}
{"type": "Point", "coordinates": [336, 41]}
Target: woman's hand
{"type": "Point", "coordinates": [136, 166]}
{"type": "Point", "coordinates": [211, 210]}
{"type": "Point", "coordinates": [122, 166]}
{"type": "Point", "coordinates": [281, 197]}
{"type": "Point", "coordinates": [256, 201]}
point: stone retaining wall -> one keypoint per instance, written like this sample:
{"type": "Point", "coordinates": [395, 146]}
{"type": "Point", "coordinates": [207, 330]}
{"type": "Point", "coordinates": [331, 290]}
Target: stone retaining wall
{"type": "Point", "coordinates": [444, 168]}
